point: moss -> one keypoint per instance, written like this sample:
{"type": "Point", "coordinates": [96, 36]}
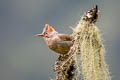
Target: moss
{"type": "Point", "coordinates": [85, 60]}
{"type": "Point", "coordinates": [89, 52]}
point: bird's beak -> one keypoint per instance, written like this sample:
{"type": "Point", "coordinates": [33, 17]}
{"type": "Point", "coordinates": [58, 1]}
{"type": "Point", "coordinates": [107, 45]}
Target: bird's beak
{"type": "Point", "coordinates": [39, 35]}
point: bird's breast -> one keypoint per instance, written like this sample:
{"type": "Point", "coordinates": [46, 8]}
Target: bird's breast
{"type": "Point", "coordinates": [59, 45]}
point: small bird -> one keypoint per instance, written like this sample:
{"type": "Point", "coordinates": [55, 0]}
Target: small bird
{"type": "Point", "coordinates": [60, 43]}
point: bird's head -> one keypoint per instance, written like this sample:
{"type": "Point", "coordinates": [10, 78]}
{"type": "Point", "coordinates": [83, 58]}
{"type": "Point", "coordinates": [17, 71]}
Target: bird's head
{"type": "Point", "coordinates": [48, 31]}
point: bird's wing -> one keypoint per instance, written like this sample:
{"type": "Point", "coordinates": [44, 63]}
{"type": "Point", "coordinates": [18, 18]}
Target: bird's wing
{"type": "Point", "coordinates": [65, 37]}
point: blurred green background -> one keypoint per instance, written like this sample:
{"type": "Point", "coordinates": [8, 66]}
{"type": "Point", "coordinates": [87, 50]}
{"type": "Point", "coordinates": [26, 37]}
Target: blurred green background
{"type": "Point", "coordinates": [26, 57]}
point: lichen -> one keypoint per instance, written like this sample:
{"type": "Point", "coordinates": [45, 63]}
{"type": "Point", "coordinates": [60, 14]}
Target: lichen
{"type": "Point", "coordinates": [85, 60]}
{"type": "Point", "coordinates": [89, 52]}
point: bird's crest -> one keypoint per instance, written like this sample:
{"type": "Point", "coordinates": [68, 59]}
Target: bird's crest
{"type": "Point", "coordinates": [50, 28]}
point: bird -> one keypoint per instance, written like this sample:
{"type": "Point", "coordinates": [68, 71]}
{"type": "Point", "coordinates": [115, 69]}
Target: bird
{"type": "Point", "coordinates": [58, 42]}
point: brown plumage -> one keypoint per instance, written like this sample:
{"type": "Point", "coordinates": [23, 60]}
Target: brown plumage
{"type": "Point", "coordinates": [60, 43]}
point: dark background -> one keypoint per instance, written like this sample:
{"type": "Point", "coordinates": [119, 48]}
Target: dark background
{"type": "Point", "coordinates": [26, 57]}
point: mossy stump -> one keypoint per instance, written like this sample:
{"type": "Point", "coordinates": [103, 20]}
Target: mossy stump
{"type": "Point", "coordinates": [85, 60]}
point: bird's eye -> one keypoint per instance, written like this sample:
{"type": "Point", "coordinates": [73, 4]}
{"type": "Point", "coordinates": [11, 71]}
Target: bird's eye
{"type": "Point", "coordinates": [46, 33]}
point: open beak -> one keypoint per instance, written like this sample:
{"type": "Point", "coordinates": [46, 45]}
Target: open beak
{"type": "Point", "coordinates": [39, 35]}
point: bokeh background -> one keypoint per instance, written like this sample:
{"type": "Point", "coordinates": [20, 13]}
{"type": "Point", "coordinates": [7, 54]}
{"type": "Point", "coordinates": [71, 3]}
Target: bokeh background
{"type": "Point", "coordinates": [26, 57]}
